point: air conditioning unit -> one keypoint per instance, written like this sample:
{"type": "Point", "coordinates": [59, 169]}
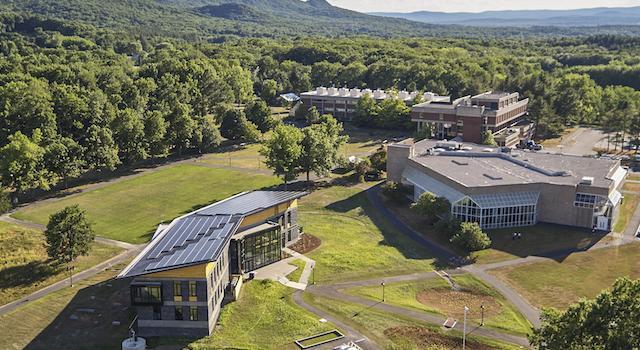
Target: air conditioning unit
{"type": "Point", "coordinates": [587, 180]}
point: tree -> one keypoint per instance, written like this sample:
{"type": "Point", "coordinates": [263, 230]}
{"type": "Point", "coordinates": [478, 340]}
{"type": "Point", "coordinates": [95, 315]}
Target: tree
{"type": "Point", "coordinates": [68, 235]}
{"type": "Point", "coordinates": [366, 111]}
{"type": "Point", "coordinates": [259, 113]}
{"type": "Point", "coordinates": [397, 192]}
{"type": "Point", "coordinates": [269, 90]}
{"type": "Point", "coordinates": [26, 106]}
{"type": "Point", "coordinates": [22, 163]}
{"type": "Point", "coordinates": [471, 237]}
{"type": "Point", "coordinates": [235, 126]}
{"type": "Point", "coordinates": [320, 146]}
{"type": "Point", "coordinates": [487, 138]}
{"type": "Point", "coordinates": [379, 161]}
{"type": "Point", "coordinates": [206, 136]}
{"type": "Point", "coordinates": [64, 158]}
{"type": "Point", "coordinates": [431, 206]}
{"type": "Point", "coordinates": [362, 168]}
{"type": "Point", "coordinates": [610, 321]}
{"type": "Point", "coordinates": [393, 114]}
{"type": "Point", "coordinates": [576, 99]}
{"type": "Point", "coordinates": [241, 84]}
{"type": "Point", "coordinates": [102, 152]}
{"type": "Point", "coordinates": [282, 151]}
{"type": "Point", "coordinates": [155, 131]}
{"type": "Point", "coordinates": [129, 135]}
{"type": "Point", "coordinates": [312, 116]}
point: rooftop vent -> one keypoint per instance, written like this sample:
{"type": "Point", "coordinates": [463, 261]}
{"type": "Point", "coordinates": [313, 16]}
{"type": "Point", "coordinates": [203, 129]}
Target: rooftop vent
{"type": "Point", "coordinates": [492, 177]}
{"type": "Point", "coordinates": [454, 161]}
{"type": "Point", "coordinates": [587, 180]}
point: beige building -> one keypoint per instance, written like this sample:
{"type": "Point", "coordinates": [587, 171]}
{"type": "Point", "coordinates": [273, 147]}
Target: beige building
{"type": "Point", "coordinates": [517, 188]}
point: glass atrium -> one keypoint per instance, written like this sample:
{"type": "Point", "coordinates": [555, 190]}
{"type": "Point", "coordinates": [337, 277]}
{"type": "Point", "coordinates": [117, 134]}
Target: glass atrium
{"type": "Point", "coordinates": [498, 210]}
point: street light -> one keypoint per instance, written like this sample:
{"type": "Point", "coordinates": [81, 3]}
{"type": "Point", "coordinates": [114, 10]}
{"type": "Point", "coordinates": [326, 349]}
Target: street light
{"type": "Point", "coordinates": [382, 284]}
{"type": "Point", "coordinates": [482, 312]}
{"type": "Point", "coordinates": [464, 329]}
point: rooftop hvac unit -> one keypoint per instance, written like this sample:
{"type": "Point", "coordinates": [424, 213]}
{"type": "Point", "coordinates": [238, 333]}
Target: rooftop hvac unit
{"type": "Point", "coordinates": [367, 91]}
{"type": "Point", "coordinates": [378, 94]}
{"type": "Point", "coordinates": [587, 180]}
{"type": "Point", "coordinates": [428, 96]}
{"type": "Point", "coordinates": [447, 144]}
{"type": "Point", "coordinates": [321, 91]}
{"type": "Point", "coordinates": [413, 94]}
{"type": "Point", "coordinates": [332, 91]}
{"type": "Point", "coordinates": [355, 92]}
{"type": "Point", "coordinates": [343, 92]}
{"type": "Point", "coordinates": [403, 95]}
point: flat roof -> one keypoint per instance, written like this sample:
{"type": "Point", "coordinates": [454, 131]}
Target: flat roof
{"type": "Point", "coordinates": [201, 235]}
{"type": "Point", "coordinates": [478, 166]}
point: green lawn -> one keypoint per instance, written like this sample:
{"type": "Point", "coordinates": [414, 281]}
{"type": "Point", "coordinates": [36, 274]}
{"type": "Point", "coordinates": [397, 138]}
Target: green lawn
{"type": "Point", "coordinates": [265, 317]}
{"type": "Point", "coordinates": [393, 331]}
{"type": "Point", "coordinates": [627, 208]}
{"type": "Point", "coordinates": [297, 273]}
{"type": "Point", "coordinates": [24, 267]}
{"type": "Point", "coordinates": [559, 284]}
{"type": "Point", "coordinates": [538, 239]}
{"type": "Point", "coordinates": [436, 297]}
{"type": "Point", "coordinates": [634, 177]}
{"type": "Point", "coordinates": [356, 242]}
{"type": "Point", "coordinates": [131, 209]}
{"type": "Point", "coordinates": [46, 323]}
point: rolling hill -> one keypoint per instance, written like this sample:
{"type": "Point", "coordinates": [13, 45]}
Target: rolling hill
{"type": "Point", "coordinates": [591, 17]}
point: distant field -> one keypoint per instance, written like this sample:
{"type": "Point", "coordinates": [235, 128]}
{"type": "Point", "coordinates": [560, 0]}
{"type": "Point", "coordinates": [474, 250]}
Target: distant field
{"type": "Point", "coordinates": [24, 267]}
{"type": "Point", "coordinates": [265, 317]}
{"type": "Point", "coordinates": [436, 296]}
{"type": "Point", "coordinates": [130, 210]}
{"type": "Point", "coordinates": [357, 242]}
{"type": "Point", "coordinates": [559, 284]}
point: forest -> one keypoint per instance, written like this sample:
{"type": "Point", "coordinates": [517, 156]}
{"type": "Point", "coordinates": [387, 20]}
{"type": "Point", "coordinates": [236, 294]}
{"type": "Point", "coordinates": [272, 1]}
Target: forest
{"type": "Point", "coordinates": [76, 99]}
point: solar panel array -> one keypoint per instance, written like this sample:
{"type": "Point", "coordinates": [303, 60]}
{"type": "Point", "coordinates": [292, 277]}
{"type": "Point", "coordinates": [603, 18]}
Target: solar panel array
{"type": "Point", "coordinates": [202, 235]}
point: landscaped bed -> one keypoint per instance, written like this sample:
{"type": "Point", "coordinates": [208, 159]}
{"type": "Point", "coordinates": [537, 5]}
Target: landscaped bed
{"type": "Point", "coordinates": [559, 284]}
{"type": "Point", "coordinates": [130, 210]}
{"type": "Point", "coordinates": [319, 339]}
{"type": "Point", "coordinates": [306, 243]}
{"type": "Point", "coordinates": [435, 295]}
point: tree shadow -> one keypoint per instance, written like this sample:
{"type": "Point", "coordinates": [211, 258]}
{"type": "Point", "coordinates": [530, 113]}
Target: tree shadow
{"type": "Point", "coordinates": [28, 274]}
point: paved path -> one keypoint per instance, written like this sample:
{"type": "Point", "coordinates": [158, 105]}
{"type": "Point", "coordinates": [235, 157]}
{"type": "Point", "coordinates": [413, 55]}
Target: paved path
{"type": "Point", "coordinates": [579, 142]}
{"type": "Point", "coordinates": [334, 291]}
{"type": "Point", "coordinates": [127, 254]}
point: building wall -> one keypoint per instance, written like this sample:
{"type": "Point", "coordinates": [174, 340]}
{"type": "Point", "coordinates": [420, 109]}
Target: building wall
{"type": "Point", "coordinates": [472, 129]}
{"type": "Point", "coordinates": [397, 159]}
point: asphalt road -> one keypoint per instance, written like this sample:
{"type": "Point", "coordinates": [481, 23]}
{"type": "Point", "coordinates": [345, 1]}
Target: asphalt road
{"type": "Point", "coordinates": [580, 142]}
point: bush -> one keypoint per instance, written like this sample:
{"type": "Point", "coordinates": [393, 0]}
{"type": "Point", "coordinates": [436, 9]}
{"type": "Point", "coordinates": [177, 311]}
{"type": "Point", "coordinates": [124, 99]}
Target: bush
{"type": "Point", "coordinates": [471, 237]}
{"type": "Point", "coordinates": [431, 206]}
{"type": "Point", "coordinates": [379, 161]}
{"type": "Point", "coordinates": [362, 168]}
{"type": "Point", "coordinates": [5, 202]}
{"type": "Point", "coordinates": [395, 191]}
{"type": "Point", "coordinates": [450, 226]}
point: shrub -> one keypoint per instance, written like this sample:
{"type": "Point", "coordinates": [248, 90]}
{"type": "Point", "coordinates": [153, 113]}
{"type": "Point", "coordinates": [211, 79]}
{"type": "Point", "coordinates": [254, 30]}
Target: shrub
{"type": "Point", "coordinates": [471, 237]}
{"type": "Point", "coordinates": [379, 161]}
{"type": "Point", "coordinates": [362, 168]}
{"type": "Point", "coordinates": [449, 226]}
{"type": "Point", "coordinates": [431, 206]}
{"type": "Point", "coordinates": [5, 201]}
{"type": "Point", "coordinates": [394, 191]}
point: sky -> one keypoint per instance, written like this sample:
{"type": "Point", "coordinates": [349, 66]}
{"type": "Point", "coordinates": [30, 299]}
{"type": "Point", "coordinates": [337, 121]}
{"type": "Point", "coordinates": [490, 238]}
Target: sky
{"type": "Point", "coordinates": [474, 5]}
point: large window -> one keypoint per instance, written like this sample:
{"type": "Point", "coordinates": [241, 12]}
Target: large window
{"type": "Point", "coordinates": [260, 249]}
{"type": "Point", "coordinates": [193, 291]}
{"type": "Point", "coordinates": [177, 291]}
{"type": "Point", "coordinates": [146, 294]}
{"type": "Point", "coordinates": [498, 211]}
{"type": "Point", "coordinates": [586, 200]}
{"type": "Point", "coordinates": [193, 313]}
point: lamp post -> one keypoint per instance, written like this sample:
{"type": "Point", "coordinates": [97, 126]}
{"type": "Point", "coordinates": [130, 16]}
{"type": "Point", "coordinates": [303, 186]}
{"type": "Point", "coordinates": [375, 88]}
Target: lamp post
{"type": "Point", "coordinates": [464, 329]}
{"type": "Point", "coordinates": [313, 273]}
{"type": "Point", "coordinates": [482, 312]}
{"type": "Point", "coordinates": [382, 284]}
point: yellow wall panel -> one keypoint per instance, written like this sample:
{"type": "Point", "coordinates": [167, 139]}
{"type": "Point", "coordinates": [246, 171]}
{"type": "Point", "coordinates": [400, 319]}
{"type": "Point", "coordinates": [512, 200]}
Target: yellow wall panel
{"type": "Point", "coordinates": [263, 215]}
{"type": "Point", "coordinates": [196, 271]}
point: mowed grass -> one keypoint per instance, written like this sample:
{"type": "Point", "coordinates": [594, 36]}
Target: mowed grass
{"type": "Point", "coordinates": [297, 273]}
{"type": "Point", "coordinates": [627, 208]}
{"type": "Point", "coordinates": [130, 210]}
{"type": "Point", "coordinates": [381, 328]}
{"type": "Point", "coordinates": [559, 284]}
{"type": "Point", "coordinates": [357, 243]}
{"type": "Point", "coordinates": [46, 323]}
{"type": "Point", "coordinates": [265, 317]}
{"type": "Point", "coordinates": [24, 266]}
{"type": "Point", "coordinates": [435, 295]}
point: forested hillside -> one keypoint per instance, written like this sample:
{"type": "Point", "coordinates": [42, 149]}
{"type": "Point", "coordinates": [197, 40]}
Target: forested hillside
{"type": "Point", "coordinates": [76, 99]}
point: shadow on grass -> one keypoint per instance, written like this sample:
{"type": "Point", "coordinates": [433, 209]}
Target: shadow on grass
{"type": "Point", "coordinates": [27, 274]}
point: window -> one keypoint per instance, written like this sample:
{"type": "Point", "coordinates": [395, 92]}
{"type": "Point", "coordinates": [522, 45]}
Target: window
{"type": "Point", "coordinates": [157, 312]}
{"type": "Point", "coordinates": [177, 290]}
{"type": "Point", "coordinates": [289, 219]}
{"type": "Point", "coordinates": [585, 200]}
{"type": "Point", "coordinates": [146, 295]}
{"type": "Point", "coordinates": [178, 313]}
{"type": "Point", "coordinates": [193, 290]}
{"type": "Point", "coordinates": [260, 249]}
{"type": "Point", "coordinates": [193, 313]}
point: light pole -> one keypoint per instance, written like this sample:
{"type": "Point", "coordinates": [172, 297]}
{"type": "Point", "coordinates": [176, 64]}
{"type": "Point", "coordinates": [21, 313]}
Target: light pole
{"type": "Point", "coordinates": [382, 284]}
{"type": "Point", "coordinates": [313, 273]}
{"type": "Point", "coordinates": [464, 329]}
{"type": "Point", "coordinates": [482, 312]}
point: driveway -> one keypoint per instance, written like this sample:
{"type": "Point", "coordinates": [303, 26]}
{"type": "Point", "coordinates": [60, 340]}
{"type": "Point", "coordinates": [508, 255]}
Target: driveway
{"type": "Point", "coordinates": [580, 142]}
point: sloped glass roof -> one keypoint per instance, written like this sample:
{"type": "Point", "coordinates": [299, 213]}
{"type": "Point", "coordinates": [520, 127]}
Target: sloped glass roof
{"type": "Point", "coordinates": [509, 199]}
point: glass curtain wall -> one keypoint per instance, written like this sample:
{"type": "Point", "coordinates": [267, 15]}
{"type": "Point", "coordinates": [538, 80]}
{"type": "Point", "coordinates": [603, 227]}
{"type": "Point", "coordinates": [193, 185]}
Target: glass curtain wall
{"type": "Point", "coordinates": [261, 249]}
{"type": "Point", "coordinates": [497, 211]}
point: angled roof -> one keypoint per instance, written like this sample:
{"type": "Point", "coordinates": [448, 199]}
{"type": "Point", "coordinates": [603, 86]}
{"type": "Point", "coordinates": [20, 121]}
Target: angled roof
{"type": "Point", "coordinates": [201, 236]}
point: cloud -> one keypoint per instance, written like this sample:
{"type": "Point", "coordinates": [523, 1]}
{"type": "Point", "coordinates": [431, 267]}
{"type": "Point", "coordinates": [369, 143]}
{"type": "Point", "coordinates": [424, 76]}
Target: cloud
{"type": "Point", "coordinates": [474, 5]}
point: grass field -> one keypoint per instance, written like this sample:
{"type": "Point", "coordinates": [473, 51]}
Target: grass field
{"type": "Point", "coordinates": [392, 331]}
{"type": "Point", "coordinates": [265, 317]}
{"type": "Point", "coordinates": [130, 210]}
{"type": "Point", "coordinates": [356, 242]}
{"type": "Point", "coordinates": [24, 267]}
{"type": "Point", "coordinates": [634, 177]}
{"type": "Point", "coordinates": [436, 296]}
{"type": "Point", "coordinates": [580, 275]}
{"type": "Point", "coordinates": [297, 273]}
{"type": "Point", "coordinates": [47, 323]}
{"type": "Point", "coordinates": [627, 208]}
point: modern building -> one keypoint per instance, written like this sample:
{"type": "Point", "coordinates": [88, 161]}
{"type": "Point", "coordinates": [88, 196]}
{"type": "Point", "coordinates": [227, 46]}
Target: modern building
{"type": "Point", "coordinates": [468, 118]}
{"type": "Point", "coordinates": [341, 103]}
{"type": "Point", "coordinates": [516, 188]}
{"type": "Point", "coordinates": [193, 265]}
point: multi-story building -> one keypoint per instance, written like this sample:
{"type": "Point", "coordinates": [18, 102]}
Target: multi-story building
{"type": "Point", "coordinates": [179, 281]}
{"type": "Point", "coordinates": [341, 103]}
{"type": "Point", "coordinates": [517, 188]}
{"type": "Point", "coordinates": [469, 117]}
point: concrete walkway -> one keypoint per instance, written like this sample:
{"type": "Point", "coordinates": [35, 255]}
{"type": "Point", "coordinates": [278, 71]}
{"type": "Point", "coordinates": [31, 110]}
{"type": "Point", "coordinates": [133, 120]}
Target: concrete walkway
{"type": "Point", "coordinates": [278, 271]}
